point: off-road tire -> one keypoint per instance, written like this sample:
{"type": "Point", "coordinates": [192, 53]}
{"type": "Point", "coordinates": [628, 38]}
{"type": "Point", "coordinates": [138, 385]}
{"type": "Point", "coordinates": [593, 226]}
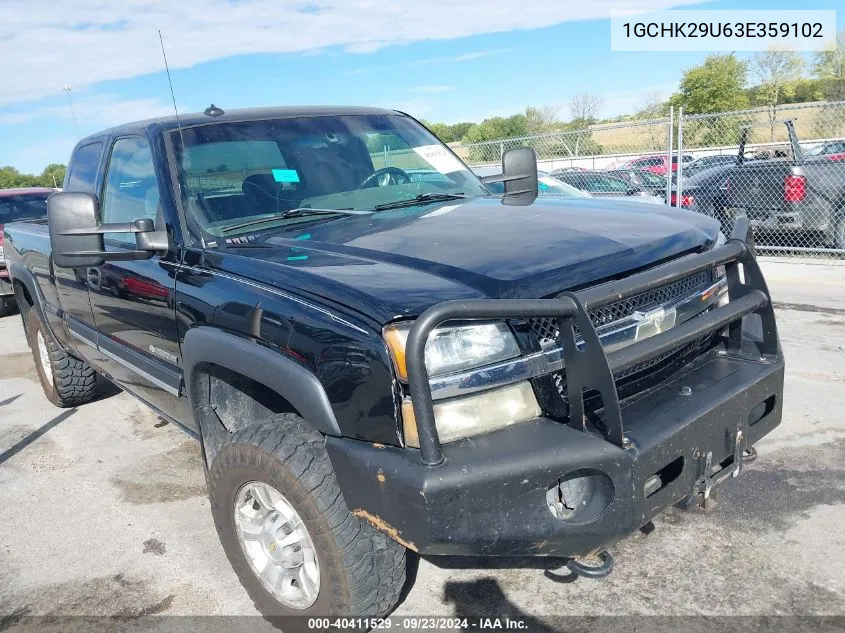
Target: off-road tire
{"type": "Point", "coordinates": [74, 381]}
{"type": "Point", "coordinates": [362, 571]}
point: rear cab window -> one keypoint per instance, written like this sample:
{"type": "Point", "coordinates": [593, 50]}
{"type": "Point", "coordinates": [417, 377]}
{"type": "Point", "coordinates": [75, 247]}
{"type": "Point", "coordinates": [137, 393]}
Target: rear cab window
{"type": "Point", "coordinates": [82, 173]}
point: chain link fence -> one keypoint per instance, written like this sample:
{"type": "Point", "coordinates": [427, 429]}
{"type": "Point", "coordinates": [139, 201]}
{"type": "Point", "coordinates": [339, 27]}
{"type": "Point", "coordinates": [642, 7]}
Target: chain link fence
{"type": "Point", "coordinates": [789, 180]}
{"type": "Point", "coordinates": [793, 192]}
{"type": "Point", "coordinates": [595, 147]}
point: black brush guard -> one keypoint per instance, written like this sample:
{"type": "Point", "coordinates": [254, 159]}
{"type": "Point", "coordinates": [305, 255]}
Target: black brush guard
{"type": "Point", "coordinates": [587, 366]}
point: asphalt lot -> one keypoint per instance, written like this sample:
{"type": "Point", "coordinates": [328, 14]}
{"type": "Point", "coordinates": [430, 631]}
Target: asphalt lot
{"type": "Point", "coordinates": [104, 509]}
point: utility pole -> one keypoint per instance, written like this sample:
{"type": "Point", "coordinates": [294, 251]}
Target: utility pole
{"type": "Point", "coordinates": [67, 90]}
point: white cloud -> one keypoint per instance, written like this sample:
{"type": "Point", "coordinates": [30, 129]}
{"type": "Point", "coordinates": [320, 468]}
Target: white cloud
{"type": "Point", "coordinates": [46, 44]}
{"type": "Point", "coordinates": [103, 110]}
{"type": "Point", "coordinates": [454, 59]}
{"type": "Point", "coordinates": [628, 101]}
{"type": "Point", "coordinates": [15, 118]}
{"type": "Point", "coordinates": [430, 89]}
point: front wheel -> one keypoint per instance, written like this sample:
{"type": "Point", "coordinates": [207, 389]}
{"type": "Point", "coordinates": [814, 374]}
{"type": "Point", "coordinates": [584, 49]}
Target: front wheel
{"type": "Point", "coordinates": [287, 532]}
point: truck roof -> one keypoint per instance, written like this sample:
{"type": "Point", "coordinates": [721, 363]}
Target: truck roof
{"type": "Point", "coordinates": [192, 119]}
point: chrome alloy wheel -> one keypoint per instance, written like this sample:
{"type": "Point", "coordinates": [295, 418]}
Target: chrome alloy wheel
{"type": "Point", "coordinates": [44, 357]}
{"type": "Point", "coordinates": [277, 545]}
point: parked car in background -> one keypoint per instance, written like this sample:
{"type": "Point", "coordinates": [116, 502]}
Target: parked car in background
{"type": "Point", "coordinates": [706, 162]}
{"type": "Point", "coordinates": [657, 164]}
{"type": "Point", "coordinates": [645, 180]}
{"type": "Point", "coordinates": [705, 192]}
{"type": "Point", "coordinates": [547, 185]}
{"type": "Point", "coordinates": [801, 198]}
{"type": "Point", "coordinates": [18, 205]}
{"type": "Point", "coordinates": [833, 150]}
{"type": "Point", "coordinates": [602, 185]}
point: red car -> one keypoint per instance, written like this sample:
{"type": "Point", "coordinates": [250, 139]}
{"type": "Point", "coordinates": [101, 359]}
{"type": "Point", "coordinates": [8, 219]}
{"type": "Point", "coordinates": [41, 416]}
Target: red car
{"type": "Point", "coordinates": [656, 164]}
{"type": "Point", "coordinates": [18, 205]}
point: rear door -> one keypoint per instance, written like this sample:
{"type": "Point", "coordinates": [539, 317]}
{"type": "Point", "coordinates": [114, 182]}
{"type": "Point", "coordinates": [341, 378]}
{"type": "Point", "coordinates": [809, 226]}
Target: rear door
{"type": "Point", "coordinates": [132, 301]}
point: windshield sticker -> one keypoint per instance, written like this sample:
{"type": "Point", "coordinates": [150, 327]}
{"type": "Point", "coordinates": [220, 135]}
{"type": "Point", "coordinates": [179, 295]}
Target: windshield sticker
{"type": "Point", "coordinates": [285, 175]}
{"type": "Point", "coordinates": [440, 158]}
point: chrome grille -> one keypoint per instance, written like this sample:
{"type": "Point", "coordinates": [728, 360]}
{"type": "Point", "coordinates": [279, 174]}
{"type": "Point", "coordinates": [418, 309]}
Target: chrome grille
{"type": "Point", "coordinates": [547, 331]}
{"type": "Point", "coordinates": [546, 328]}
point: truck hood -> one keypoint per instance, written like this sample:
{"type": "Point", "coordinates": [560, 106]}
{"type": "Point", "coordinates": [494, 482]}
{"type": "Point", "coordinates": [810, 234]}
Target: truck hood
{"type": "Point", "coordinates": [400, 262]}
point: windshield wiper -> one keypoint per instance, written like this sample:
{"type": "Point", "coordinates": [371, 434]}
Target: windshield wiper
{"type": "Point", "coordinates": [423, 198]}
{"type": "Point", "coordinates": [291, 213]}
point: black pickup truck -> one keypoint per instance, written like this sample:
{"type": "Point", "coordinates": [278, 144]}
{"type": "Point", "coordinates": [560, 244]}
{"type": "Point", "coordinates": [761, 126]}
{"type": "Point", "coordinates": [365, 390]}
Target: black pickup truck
{"type": "Point", "coordinates": [796, 195]}
{"type": "Point", "coordinates": [379, 355]}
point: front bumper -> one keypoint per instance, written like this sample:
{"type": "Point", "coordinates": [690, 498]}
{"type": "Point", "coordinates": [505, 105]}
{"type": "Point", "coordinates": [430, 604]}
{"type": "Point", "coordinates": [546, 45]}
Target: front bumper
{"type": "Point", "coordinates": [489, 497]}
{"type": "Point", "coordinates": [812, 215]}
{"type": "Point", "coordinates": [511, 492]}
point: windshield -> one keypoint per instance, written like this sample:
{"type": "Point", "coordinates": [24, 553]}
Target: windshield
{"type": "Point", "coordinates": [238, 172]}
{"type": "Point", "coordinates": [596, 183]}
{"type": "Point", "coordinates": [31, 206]}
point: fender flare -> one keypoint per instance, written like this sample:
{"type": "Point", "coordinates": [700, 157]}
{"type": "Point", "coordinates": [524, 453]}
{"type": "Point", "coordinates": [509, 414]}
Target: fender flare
{"type": "Point", "coordinates": [20, 273]}
{"type": "Point", "coordinates": [290, 380]}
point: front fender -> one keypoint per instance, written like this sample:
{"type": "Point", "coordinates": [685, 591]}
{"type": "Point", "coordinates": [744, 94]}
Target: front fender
{"type": "Point", "coordinates": [247, 357]}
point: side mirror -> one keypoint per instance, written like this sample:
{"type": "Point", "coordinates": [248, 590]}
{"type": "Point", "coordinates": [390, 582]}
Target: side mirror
{"type": "Point", "coordinates": [76, 237]}
{"type": "Point", "coordinates": [519, 175]}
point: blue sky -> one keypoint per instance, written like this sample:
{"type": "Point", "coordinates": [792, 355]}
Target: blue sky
{"type": "Point", "coordinates": [435, 60]}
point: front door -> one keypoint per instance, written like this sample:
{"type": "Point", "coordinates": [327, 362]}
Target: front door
{"type": "Point", "coordinates": [132, 301]}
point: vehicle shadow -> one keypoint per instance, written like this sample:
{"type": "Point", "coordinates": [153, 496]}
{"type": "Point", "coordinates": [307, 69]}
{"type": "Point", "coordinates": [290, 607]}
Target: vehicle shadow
{"type": "Point", "coordinates": [29, 439]}
{"type": "Point", "coordinates": [3, 403]}
{"type": "Point", "coordinates": [105, 389]}
{"type": "Point", "coordinates": [484, 598]}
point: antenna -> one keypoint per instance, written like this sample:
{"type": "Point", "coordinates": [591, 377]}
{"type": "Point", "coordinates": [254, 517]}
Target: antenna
{"type": "Point", "coordinates": [175, 109]}
{"type": "Point", "coordinates": [172, 94]}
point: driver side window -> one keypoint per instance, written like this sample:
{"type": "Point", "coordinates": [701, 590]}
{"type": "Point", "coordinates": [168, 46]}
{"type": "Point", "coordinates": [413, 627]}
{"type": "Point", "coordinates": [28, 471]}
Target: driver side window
{"type": "Point", "coordinates": [130, 191]}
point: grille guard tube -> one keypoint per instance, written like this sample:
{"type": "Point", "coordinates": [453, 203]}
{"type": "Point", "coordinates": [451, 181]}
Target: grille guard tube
{"type": "Point", "coordinates": [589, 368]}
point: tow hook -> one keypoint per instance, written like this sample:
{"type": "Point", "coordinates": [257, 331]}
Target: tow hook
{"type": "Point", "coordinates": [592, 571]}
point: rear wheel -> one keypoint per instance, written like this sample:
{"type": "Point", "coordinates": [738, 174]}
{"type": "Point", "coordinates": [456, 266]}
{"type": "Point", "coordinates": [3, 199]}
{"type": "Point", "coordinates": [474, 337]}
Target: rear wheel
{"type": "Point", "coordinates": [287, 532]}
{"type": "Point", "coordinates": [66, 381]}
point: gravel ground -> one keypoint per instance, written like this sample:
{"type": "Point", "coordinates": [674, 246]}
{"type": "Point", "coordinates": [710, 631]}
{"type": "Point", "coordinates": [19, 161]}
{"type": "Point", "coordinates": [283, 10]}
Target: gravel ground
{"type": "Point", "coordinates": [105, 513]}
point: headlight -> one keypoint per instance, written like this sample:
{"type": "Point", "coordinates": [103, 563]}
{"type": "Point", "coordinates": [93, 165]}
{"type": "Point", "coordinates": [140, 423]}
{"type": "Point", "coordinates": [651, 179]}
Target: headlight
{"type": "Point", "coordinates": [454, 348]}
{"type": "Point", "coordinates": [472, 415]}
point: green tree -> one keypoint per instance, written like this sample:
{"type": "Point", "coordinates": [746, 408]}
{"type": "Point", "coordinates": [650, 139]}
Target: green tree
{"type": "Point", "coordinates": [540, 120]}
{"type": "Point", "coordinates": [717, 85]}
{"type": "Point", "coordinates": [11, 177]}
{"type": "Point", "coordinates": [497, 128]}
{"type": "Point", "coordinates": [449, 133]}
{"type": "Point", "coordinates": [775, 70]}
{"type": "Point", "coordinates": [52, 176]}
{"type": "Point", "coordinates": [829, 67]}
